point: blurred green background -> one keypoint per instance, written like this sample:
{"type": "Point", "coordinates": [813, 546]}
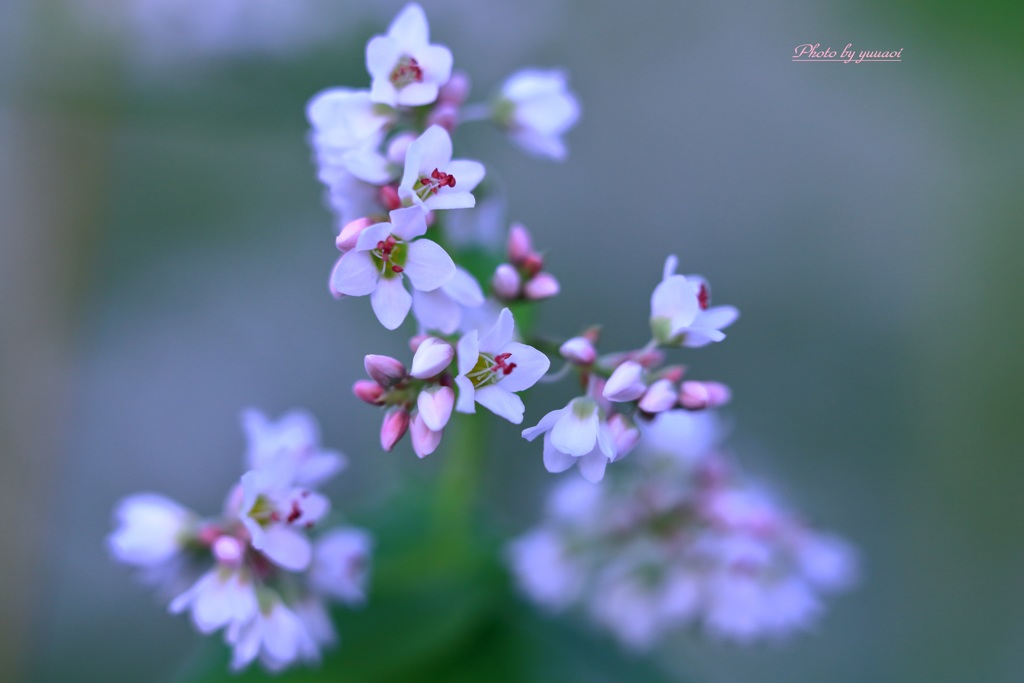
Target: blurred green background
{"type": "Point", "coordinates": [164, 256]}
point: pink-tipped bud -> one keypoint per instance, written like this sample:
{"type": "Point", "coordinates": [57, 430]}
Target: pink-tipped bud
{"type": "Point", "coordinates": [433, 355]}
{"type": "Point", "coordinates": [532, 264]}
{"type": "Point", "coordinates": [542, 286]}
{"type": "Point", "coordinates": [396, 423]}
{"type": "Point", "coordinates": [349, 235]}
{"type": "Point", "coordinates": [369, 391]}
{"type": "Point", "coordinates": [416, 340]}
{"type": "Point", "coordinates": [228, 551]}
{"type": "Point", "coordinates": [506, 282]}
{"type": "Point", "coordinates": [398, 147]}
{"type": "Point", "coordinates": [673, 373]}
{"type": "Point", "coordinates": [625, 435]}
{"type": "Point", "coordinates": [456, 90]}
{"type": "Point", "coordinates": [519, 244]}
{"type": "Point", "coordinates": [424, 440]}
{"type": "Point", "coordinates": [389, 197]}
{"type": "Point", "coordinates": [701, 395]}
{"type": "Point", "coordinates": [659, 397]}
{"type": "Point", "coordinates": [384, 370]}
{"type": "Point", "coordinates": [592, 334]}
{"type": "Point", "coordinates": [626, 383]}
{"type": "Point", "coordinates": [578, 350]}
{"type": "Point", "coordinates": [435, 406]}
{"type": "Point", "coordinates": [445, 115]}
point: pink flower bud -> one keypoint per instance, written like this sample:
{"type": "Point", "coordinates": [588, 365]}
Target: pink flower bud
{"type": "Point", "coordinates": [625, 435]}
{"type": "Point", "coordinates": [626, 383]}
{"type": "Point", "coordinates": [432, 356]}
{"type": "Point", "coordinates": [519, 243]}
{"type": "Point", "coordinates": [424, 440]}
{"type": "Point", "coordinates": [228, 551]}
{"type": "Point", "coordinates": [444, 115]}
{"type": "Point", "coordinates": [389, 198]}
{"type": "Point", "coordinates": [385, 370]}
{"type": "Point", "coordinates": [416, 340]}
{"type": "Point", "coordinates": [348, 236]}
{"type": "Point", "coordinates": [542, 286]}
{"type": "Point", "coordinates": [578, 350]}
{"type": "Point", "coordinates": [506, 282]}
{"type": "Point", "coordinates": [532, 264]}
{"type": "Point", "coordinates": [659, 397]}
{"type": "Point", "coordinates": [673, 373]}
{"type": "Point", "coordinates": [395, 424]}
{"type": "Point", "coordinates": [456, 90]}
{"type": "Point", "coordinates": [398, 147]}
{"type": "Point", "coordinates": [369, 391]}
{"type": "Point", "coordinates": [701, 395]}
{"type": "Point", "coordinates": [435, 406]}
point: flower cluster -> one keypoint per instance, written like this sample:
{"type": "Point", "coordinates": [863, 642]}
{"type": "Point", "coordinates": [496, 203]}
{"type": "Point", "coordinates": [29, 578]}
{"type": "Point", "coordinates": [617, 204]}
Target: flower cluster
{"type": "Point", "coordinates": [682, 538]}
{"type": "Point", "coordinates": [254, 571]}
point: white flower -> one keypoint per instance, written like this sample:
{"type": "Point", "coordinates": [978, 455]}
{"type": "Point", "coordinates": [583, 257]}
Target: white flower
{"type": "Point", "coordinates": [341, 564]}
{"type": "Point", "coordinates": [432, 179]}
{"type": "Point", "coordinates": [575, 434]}
{"type": "Point", "coordinates": [544, 569]}
{"type": "Point", "coordinates": [150, 529]}
{"type": "Point", "coordinates": [679, 310]}
{"type": "Point", "coordinates": [277, 636]}
{"type": "Point", "coordinates": [537, 107]}
{"type": "Point", "coordinates": [492, 367]}
{"type": "Point", "coordinates": [275, 512]}
{"type": "Point", "coordinates": [681, 434]}
{"type": "Point", "coordinates": [345, 119]}
{"type": "Point", "coordinates": [626, 383]}
{"type": "Point", "coordinates": [442, 309]}
{"type": "Point", "coordinates": [349, 197]}
{"type": "Point", "coordinates": [384, 254]}
{"type": "Point", "coordinates": [221, 597]}
{"type": "Point", "coordinates": [295, 436]}
{"type": "Point", "coordinates": [406, 69]}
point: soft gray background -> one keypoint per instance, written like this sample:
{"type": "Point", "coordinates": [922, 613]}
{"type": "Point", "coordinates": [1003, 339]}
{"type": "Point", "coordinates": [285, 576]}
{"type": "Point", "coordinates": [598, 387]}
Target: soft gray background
{"type": "Point", "coordinates": [164, 256]}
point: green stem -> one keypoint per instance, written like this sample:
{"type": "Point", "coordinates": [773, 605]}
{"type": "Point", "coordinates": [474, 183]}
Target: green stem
{"type": "Point", "coordinates": [458, 486]}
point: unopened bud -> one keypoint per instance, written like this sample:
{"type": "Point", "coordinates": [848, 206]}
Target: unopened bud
{"type": "Point", "coordinates": [398, 147]}
{"type": "Point", "coordinates": [424, 440]}
{"type": "Point", "coordinates": [385, 370]}
{"type": "Point", "coordinates": [456, 90]}
{"type": "Point", "coordinates": [542, 286]}
{"type": "Point", "coordinates": [659, 397]}
{"type": "Point", "coordinates": [416, 340]}
{"type": "Point", "coordinates": [506, 282]}
{"type": "Point", "coordinates": [532, 264]}
{"type": "Point", "coordinates": [349, 235]}
{"type": "Point", "coordinates": [625, 435]}
{"type": "Point", "coordinates": [433, 355]}
{"type": "Point", "coordinates": [389, 198]}
{"type": "Point", "coordinates": [396, 423]}
{"type": "Point", "coordinates": [435, 406]}
{"type": "Point", "coordinates": [445, 115]}
{"type": "Point", "coordinates": [519, 244]}
{"type": "Point", "coordinates": [228, 551]}
{"type": "Point", "coordinates": [578, 350]}
{"type": "Point", "coordinates": [369, 391]}
{"type": "Point", "coordinates": [626, 383]}
{"type": "Point", "coordinates": [701, 395]}
{"type": "Point", "coordinates": [673, 373]}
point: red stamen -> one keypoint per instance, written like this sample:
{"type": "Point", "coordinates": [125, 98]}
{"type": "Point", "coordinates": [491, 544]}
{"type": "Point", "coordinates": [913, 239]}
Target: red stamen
{"type": "Point", "coordinates": [295, 513]}
{"type": "Point", "coordinates": [397, 269]}
{"type": "Point", "coordinates": [703, 297]}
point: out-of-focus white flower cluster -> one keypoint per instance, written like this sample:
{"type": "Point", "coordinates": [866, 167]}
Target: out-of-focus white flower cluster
{"type": "Point", "coordinates": [678, 538]}
{"type": "Point", "coordinates": [253, 571]}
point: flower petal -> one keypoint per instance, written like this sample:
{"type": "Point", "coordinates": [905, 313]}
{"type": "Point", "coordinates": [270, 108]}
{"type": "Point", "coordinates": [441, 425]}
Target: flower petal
{"type": "Point", "coordinates": [674, 299]}
{"type": "Point", "coordinates": [555, 460]}
{"type": "Point", "coordinates": [717, 317]}
{"type": "Point", "coordinates": [390, 302]}
{"type": "Point", "coordinates": [468, 173]}
{"type": "Point", "coordinates": [592, 466]}
{"type": "Point", "coordinates": [531, 365]}
{"type": "Point", "coordinates": [408, 223]}
{"type": "Point", "coordinates": [466, 402]}
{"type": "Point", "coordinates": [464, 289]}
{"type": "Point", "coordinates": [436, 311]}
{"type": "Point", "coordinates": [369, 237]}
{"type": "Point", "coordinates": [428, 265]}
{"type": "Point", "coordinates": [575, 432]}
{"type": "Point", "coordinates": [545, 424]}
{"type": "Point", "coordinates": [435, 406]}
{"type": "Point", "coordinates": [469, 352]}
{"type": "Point", "coordinates": [501, 402]}
{"type": "Point", "coordinates": [286, 547]}
{"type": "Point", "coordinates": [355, 274]}
{"type": "Point", "coordinates": [498, 336]}
{"type": "Point", "coordinates": [410, 28]}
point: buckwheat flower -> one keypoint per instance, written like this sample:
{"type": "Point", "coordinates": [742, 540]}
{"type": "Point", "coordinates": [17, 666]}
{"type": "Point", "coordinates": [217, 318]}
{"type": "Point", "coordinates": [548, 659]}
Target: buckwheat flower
{"type": "Point", "coordinates": [680, 313]}
{"type": "Point", "coordinates": [431, 175]}
{"type": "Point", "coordinates": [384, 254]}
{"type": "Point", "coordinates": [575, 434]}
{"type": "Point", "coordinates": [341, 565]}
{"type": "Point", "coordinates": [435, 406]}
{"type": "Point", "coordinates": [492, 368]}
{"type": "Point", "coordinates": [424, 439]}
{"type": "Point", "coordinates": [406, 69]}
{"type": "Point", "coordinates": [344, 119]}
{"type": "Point", "coordinates": [537, 108]}
{"type": "Point", "coordinates": [276, 635]}
{"type": "Point", "coordinates": [545, 570]}
{"type": "Point", "coordinates": [222, 597]}
{"type": "Point", "coordinates": [295, 436]}
{"type": "Point", "coordinates": [151, 530]}
{"type": "Point", "coordinates": [442, 309]}
{"type": "Point", "coordinates": [275, 512]}
{"type": "Point", "coordinates": [659, 397]}
{"type": "Point", "coordinates": [432, 356]}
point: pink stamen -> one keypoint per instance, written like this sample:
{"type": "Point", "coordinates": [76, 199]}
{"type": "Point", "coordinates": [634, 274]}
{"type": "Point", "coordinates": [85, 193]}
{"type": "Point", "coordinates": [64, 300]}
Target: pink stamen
{"type": "Point", "coordinates": [703, 297]}
{"type": "Point", "coordinates": [437, 180]}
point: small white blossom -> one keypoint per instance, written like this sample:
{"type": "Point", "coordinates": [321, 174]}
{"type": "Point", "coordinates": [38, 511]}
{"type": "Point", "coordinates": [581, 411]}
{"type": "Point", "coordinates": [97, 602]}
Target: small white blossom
{"type": "Point", "coordinates": [341, 564]}
{"type": "Point", "coordinates": [544, 569]}
{"type": "Point", "coordinates": [680, 313]}
{"type": "Point", "coordinates": [432, 179]}
{"type": "Point", "coordinates": [492, 368]}
{"type": "Point", "coordinates": [537, 108]}
{"type": "Point", "coordinates": [432, 356]}
{"type": "Point", "coordinates": [221, 597]}
{"type": "Point", "coordinates": [295, 436]}
{"type": "Point", "coordinates": [151, 530]}
{"type": "Point", "coordinates": [344, 119]}
{"type": "Point", "coordinates": [277, 636]}
{"type": "Point", "coordinates": [384, 255]}
{"type": "Point", "coordinates": [406, 69]}
{"type": "Point", "coordinates": [575, 434]}
{"type": "Point", "coordinates": [626, 383]}
{"type": "Point", "coordinates": [442, 309]}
